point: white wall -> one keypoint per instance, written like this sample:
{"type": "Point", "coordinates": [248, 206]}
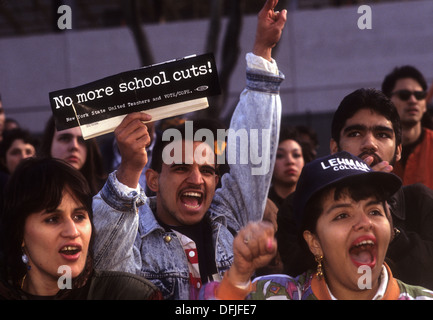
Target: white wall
{"type": "Point", "coordinates": [323, 54]}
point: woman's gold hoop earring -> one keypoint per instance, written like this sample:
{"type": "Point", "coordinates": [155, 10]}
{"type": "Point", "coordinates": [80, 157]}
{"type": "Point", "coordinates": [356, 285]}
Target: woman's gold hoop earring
{"type": "Point", "coordinates": [319, 272]}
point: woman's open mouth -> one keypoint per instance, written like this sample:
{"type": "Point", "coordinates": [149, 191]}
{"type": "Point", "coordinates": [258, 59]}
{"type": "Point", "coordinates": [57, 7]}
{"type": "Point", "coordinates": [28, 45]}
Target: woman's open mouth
{"type": "Point", "coordinates": [70, 252]}
{"type": "Point", "coordinates": [363, 252]}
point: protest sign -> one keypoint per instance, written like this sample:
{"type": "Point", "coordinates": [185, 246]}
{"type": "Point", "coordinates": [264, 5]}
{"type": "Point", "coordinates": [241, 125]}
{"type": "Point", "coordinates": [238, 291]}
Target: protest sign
{"type": "Point", "coordinates": [162, 90]}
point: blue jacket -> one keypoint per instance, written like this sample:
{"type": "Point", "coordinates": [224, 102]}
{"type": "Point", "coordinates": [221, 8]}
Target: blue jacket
{"type": "Point", "coordinates": [128, 236]}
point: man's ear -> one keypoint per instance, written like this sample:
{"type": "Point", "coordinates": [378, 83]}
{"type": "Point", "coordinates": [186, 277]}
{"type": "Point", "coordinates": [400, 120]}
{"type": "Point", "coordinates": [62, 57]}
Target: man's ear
{"type": "Point", "coordinates": [333, 146]}
{"type": "Point", "coordinates": [217, 179]}
{"type": "Point", "coordinates": [152, 179]}
{"type": "Point", "coordinates": [313, 243]}
{"type": "Point", "coordinates": [398, 153]}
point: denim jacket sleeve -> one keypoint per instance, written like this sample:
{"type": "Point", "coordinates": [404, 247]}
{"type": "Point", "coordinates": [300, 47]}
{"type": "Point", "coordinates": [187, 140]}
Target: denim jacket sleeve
{"type": "Point", "coordinates": [251, 150]}
{"type": "Point", "coordinates": [116, 224]}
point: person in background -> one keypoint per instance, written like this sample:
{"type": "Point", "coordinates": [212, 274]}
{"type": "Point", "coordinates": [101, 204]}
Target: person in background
{"type": "Point", "coordinates": [345, 227]}
{"type": "Point", "coordinates": [17, 144]}
{"type": "Point", "coordinates": [407, 89]}
{"type": "Point", "coordinates": [289, 162]}
{"type": "Point", "coordinates": [308, 135]}
{"type": "Point", "coordinates": [69, 145]}
{"type": "Point", "coordinates": [11, 123]}
{"type": "Point", "coordinates": [47, 235]}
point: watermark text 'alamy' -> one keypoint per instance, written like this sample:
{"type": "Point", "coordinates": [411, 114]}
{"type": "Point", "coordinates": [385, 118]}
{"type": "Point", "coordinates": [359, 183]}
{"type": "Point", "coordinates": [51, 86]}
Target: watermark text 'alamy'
{"type": "Point", "coordinates": [243, 147]}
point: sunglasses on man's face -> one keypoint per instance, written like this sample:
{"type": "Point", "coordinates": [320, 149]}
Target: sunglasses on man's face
{"type": "Point", "coordinates": [406, 94]}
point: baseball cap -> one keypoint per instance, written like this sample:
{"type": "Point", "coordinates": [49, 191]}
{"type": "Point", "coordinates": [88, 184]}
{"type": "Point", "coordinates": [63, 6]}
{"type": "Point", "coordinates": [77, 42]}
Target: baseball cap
{"type": "Point", "coordinates": [339, 167]}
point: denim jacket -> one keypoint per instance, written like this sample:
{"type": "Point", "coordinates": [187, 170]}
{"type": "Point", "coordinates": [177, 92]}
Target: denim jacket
{"type": "Point", "coordinates": [128, 236]}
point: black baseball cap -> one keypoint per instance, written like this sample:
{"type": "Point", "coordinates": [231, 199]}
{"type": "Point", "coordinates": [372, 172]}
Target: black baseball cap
{"type": "Point", "coordinates": [336, 168]}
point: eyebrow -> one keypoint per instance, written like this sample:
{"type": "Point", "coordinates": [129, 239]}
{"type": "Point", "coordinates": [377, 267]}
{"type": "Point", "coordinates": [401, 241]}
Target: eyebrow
{"type": "Point", "coordinates": [338, 206]}
{"type": "Point", "coordinates": [348, 205]}
{"type": "Point", "coordinates": [82, 208]}
{"type": "Point", "coordinates": [293, 149]}
{"type": "Point", "coordinates": [174, 165]}
{"type": "Point", "coordinates": [364, 127]}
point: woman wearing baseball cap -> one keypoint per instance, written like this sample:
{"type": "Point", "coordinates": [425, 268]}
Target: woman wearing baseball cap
{"type": "Point", "coordinates": [345, 227]}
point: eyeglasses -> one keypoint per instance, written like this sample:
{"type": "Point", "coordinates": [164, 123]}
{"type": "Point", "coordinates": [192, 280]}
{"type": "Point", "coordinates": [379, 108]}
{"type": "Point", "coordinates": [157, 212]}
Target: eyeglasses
{"type": "Point", "coordinates": [405, 95]}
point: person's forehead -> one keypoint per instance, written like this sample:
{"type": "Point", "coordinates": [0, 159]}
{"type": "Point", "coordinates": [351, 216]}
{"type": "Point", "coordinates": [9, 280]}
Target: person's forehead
{"type": "Point", "coordinates": [368, 118]}
{"type": "Point", "coordinates": [76, 131]}
{"type": "Point", "coordinates": [344, 196]}
{"type": "Point", "coordinates": [189, 152]}
{"type": "Point", "coordinates": [19, 142]}
{"type": "Point", "coordinates": [407, 83]}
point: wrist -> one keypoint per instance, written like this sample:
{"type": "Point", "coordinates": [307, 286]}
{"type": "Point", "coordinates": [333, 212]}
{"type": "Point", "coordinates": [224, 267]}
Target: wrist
{"type": "Point", "coordinates": [265, 53]}
{"type": "Point", "coordinates": [128, 177]}
{"type": "Point", "coordinates": [227, 290]}
{"type": "Point", "coordinates": [237, 279]}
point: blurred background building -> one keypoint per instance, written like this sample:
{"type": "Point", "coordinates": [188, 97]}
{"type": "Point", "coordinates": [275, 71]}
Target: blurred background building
{"type": "Point", "coordinates": [323, 53]}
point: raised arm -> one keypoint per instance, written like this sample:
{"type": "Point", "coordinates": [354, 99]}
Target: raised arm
{"type": "Point", "coordinates": [114, 210]}
{"type": "Point", "coordinates": [132, 139]}
{"type": "Point", "coordinates": [270, 26]}
{"type": "Point", "coordinates": [243, 195]}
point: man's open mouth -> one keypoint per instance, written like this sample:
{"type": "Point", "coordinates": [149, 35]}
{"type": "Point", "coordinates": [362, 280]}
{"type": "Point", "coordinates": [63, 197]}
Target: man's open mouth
{"type": "Point", "coordinates": [192, 199]}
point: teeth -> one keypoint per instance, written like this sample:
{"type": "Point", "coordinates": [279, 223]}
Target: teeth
{"type": "Point", "coordinates": [365, 242]}
{"type": "Point", "coordinates": [192, 194]}
{"type": "Point", "coordinates": [191, 207]}
{"type": "Point", "coordinates": [69, 248]}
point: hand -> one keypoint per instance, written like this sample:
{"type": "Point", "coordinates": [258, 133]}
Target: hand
{"type": "Point", "coordinates": [270, 25]}
{"type": "Point", "coordinates": [253, 247]}
{"type": "Point", "coordinates": [132, 139]}
{"type": "Point", "coordinates": [383, 166]}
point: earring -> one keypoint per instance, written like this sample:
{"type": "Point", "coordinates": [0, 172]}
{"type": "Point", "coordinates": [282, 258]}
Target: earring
{"type": "Point", "coordinates": [319, 272]}
{"type": "Point", "coordinates": [25, 258]}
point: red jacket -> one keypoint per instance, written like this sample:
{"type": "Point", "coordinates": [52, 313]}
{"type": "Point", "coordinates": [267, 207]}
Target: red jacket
{"type": "Point", "coordinates": [419, 165]}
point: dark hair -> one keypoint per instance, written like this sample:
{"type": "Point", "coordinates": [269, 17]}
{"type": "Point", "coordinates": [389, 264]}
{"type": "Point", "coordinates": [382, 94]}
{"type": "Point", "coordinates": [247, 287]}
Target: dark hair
{"type": "Point", "coordinates": [293, 133]}
{"type": "Point", "coordinates": [210, 124]}
{"type": "Point", "coordinates": [397, 73]}
{"type": "Point", "coordinates": [9, 136]}
{"type": "Point", "coordinates": [360, 99]}
{"type": "Point", "coordinates": [93, 168]}
{"type": "Point", "coordinates": [403, 72]}
{"type": "Point", "coordinates": [36, 185]}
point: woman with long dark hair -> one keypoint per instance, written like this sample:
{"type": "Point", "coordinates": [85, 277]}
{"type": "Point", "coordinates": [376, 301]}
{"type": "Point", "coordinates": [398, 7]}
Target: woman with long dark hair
{"type": "Point", "coordinates": [47, 235]}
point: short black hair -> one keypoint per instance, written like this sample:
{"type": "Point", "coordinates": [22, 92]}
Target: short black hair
{"type": "Point", "coordinates": [365, 98]}
{"type": "Point", "coordinates": [160, 144]}
{"type": "Point", "coordinates": [397, 73]}
{"type": "Point", "coordinates": [9, 136]}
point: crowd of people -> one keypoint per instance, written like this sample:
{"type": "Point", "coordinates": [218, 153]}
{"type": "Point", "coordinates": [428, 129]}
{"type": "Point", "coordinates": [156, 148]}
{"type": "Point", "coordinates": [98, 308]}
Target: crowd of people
{"type": "Point", "coordinates": [78, 223]}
